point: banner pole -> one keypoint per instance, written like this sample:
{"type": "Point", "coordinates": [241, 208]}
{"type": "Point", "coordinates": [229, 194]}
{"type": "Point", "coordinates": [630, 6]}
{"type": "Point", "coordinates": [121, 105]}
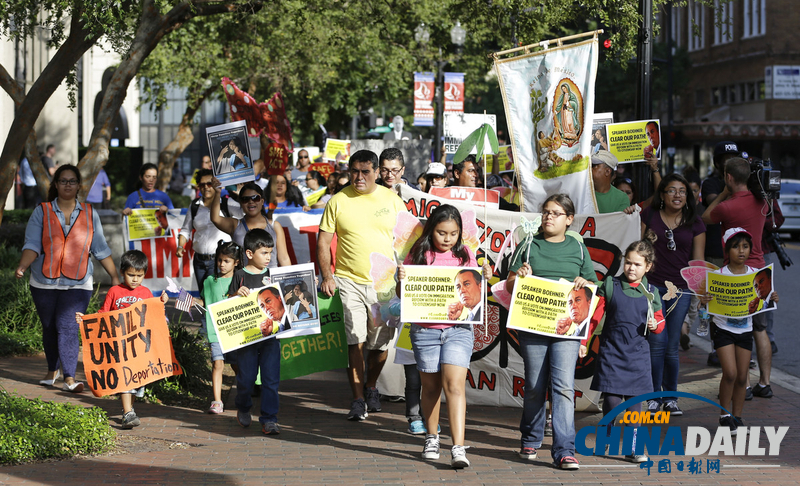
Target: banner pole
{"type": "Point", "coordinates": [484, 297]}
{"type": "Point", "coordinates": [546, 43]}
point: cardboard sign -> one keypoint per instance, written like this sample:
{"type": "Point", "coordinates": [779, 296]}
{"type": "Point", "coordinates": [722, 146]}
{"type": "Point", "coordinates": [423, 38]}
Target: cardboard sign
{"type": "Point", "coordinates": [241, 321]}
{"type": "Point", "coordinates": [458, 126]}
{"type": "Point", "coordinates": [128, 348]}
{"type": "Point", "coordinates": [475, 195]}
{"type": "Point", "coordinates": [442, 295]}
{"type": "Point", "coordinates": [551, 308]}
{"type": "Point", "coordinates": [634, 141]}
{"type": "Point", "coordinates": [337, 151]}
{"type": "Point", "coordinates": [147, 223]}
{"type": "Point", "coordinates": [741, 295]}
{"type": "Point", "coordinates": [231, 161]}
{"type": "Point", "coordinates": [276, 158]}
{"type": "Point", "coordinates": [296, 283]}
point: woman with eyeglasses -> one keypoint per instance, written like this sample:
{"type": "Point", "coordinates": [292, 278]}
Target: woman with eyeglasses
{"type": "Point", "coordinates": [147, 196]}
{"type": "Point", "coordinates": [315, 182]}
{"type": "Point", "coordinates": [551, 254]}
{"type": "Point", "coordinates": [206, 234]}
{"type": "Point", "coordinates": [60, 236]}
{"type": "Point", "coordinates": [680, 236]}
{"type": "Point", "coordinates": [251, 201]}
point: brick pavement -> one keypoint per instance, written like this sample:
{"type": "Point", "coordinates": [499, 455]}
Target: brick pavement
{"type": "Point", "coordinates": [317, 445]}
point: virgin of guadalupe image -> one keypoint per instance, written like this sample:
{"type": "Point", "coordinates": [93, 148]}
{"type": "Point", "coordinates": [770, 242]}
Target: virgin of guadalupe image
{"type": "Point", "coordinates": [567, 112]}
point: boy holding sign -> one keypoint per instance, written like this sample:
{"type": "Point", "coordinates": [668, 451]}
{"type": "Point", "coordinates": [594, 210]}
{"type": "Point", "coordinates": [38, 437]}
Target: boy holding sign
{"type": "Point", "coordinates": [132, 266]}
{"type": "Point", "coordinates": [262, 355]}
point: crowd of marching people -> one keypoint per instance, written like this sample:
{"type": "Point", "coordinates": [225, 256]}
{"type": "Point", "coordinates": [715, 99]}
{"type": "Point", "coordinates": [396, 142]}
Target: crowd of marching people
{"type": "Point", "coordinates": [236, 240]}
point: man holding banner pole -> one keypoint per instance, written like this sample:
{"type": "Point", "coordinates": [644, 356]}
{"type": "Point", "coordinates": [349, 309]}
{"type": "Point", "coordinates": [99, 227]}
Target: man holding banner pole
{"type": "Point", "coordinates": [362, 216]}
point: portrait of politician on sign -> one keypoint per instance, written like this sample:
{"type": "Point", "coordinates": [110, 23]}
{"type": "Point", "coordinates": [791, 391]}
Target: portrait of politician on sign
{"type": "Point", "coordinates": [762, 283]}
{"type": "Point", "coordinates": [271, 302]}
{"type": "Point", "coordinates": [469, 289]}
{"type": "Point", "coordinates": [579, 304]}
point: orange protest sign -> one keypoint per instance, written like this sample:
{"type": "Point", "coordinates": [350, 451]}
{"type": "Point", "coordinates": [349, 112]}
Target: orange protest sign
{"type": "Point", "coordinates": [127, 348]}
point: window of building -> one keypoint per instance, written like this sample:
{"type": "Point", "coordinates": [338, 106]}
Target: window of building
{"type": "Point", "coordinates": [699, 97]}
{"type": "Point", "coordinates": [755, 14]}
{"type": "Point", "coordinates": [723, 22]}
{"type": "Point", "coordinates": [696, 24]}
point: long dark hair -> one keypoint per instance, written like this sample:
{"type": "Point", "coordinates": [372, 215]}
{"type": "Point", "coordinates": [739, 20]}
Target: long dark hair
{"type": "Point", "coordinates": [52, 192]}
{"type": "Point", "coordinates": [145, 168]}
{"type": "Point", "coordinates": [293, 194]}
{"type": "Point", "coordinates": [318, 177]}
{"type": "Point", "coordinates": [230, 249]}
{"type": "Point", "coordinates": [688, 213]}
{"type": "Point", "coordinates": [443, 213]}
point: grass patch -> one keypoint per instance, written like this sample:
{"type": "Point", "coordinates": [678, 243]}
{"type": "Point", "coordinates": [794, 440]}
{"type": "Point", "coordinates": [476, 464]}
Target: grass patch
{"type": "Point", "coordinates": [32, 430]}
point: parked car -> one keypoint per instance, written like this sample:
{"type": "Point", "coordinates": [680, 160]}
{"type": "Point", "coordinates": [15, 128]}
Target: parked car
{"type": "Point", "coordinates": [789, 203]}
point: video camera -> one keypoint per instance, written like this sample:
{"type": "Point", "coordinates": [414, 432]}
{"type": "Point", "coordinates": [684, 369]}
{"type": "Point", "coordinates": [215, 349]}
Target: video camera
{"type": "Point", "coordinates": [764, 181]}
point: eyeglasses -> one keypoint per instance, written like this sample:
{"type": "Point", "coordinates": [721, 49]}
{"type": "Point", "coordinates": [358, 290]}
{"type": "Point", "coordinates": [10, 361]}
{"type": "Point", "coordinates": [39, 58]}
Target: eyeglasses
{"type": "Point", "coordinates": [309, 179]}
{"type": "Point", "coordinates": [205, 184]}
{"type": "Point", "coordinates": [671, 246]}
{"type": "Point", "coordinates": [302, 156]}
{"type": "Point", "coordinates": [254, 198]}
{"type": "Point", "coordinates": [554, 214]}
{"type": "Point", "coordinates": [386, 170]}
{"type": "Point", "coordinates": [69, 182]}
{"type": "Point", "coordinates": [672, 191]}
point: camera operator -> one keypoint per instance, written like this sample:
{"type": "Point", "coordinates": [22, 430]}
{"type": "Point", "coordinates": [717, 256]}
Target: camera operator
{"type": "Point", "coordinates": [711, 188]}
{"type": "Point", "coordinates": [736, 206]}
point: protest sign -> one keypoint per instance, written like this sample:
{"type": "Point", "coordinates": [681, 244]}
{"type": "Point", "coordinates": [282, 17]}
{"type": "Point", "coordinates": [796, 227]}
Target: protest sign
{"type": "Point", "coordinates": [458, 126]}
{"type": "Point", "coordinates": [304, 355]}
{"type": "Point", "coordinates": [442, 295]}
{"type": "Point", "coordinates": [241, 321]}
{"type": "Point", "coordinates": [325, 169]}
{"type": "Point", "coordinates": [741, 295]}
{"type": "Point", "coordinates": [423, 99]}
{"type": "Point", "coordinates": [276, 158]}
{"type": "Point", "coordinates": [549, 101]}
{"type": "Point", "coordinates": [230, 153]}
{"type": "Point", "coordinates": [127, 348]}
{"type": "Point", "coordinates": [551, 308]}
{"type": "Point", "coordinates": [315, 196]}
{"type": "Point", "coordinates": [146, 223]}
{"type": "Point", "coordinates": [634, 141]}
{"type": "Point", "coordinates": [474, 195]}
{"type": "Point", "coordinates": [600, 132]}
{"type": "Point", "coordinates": [336, 151]}
{"type": "Point", "coordinates": [296, 283]}
{"type": "Point", "coordinates": [504, 157]}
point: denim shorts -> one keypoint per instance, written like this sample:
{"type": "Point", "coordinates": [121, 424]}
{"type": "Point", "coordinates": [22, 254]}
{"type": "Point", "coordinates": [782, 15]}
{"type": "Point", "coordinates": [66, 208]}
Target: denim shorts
{"type": "Point", "coordinates": [434, 347]}
{"type": "Point", "coordinates": [216, 352]}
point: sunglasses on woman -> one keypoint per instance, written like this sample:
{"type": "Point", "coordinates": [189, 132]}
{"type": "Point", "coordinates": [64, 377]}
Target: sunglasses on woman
{"type": "Point", "coordinates": [254, 198]}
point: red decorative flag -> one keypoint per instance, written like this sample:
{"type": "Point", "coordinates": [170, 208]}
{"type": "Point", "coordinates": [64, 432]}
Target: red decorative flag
{"type": "Point", "coordinates": [268, 117]}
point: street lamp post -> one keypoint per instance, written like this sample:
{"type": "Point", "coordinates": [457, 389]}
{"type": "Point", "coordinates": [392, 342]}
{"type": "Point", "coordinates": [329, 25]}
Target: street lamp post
{"type": "Point", "coordinates": [458, 35]}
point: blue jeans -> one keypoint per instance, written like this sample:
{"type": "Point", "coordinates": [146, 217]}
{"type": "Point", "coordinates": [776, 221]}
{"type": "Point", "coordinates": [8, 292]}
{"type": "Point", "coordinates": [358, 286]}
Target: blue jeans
{"type": "Point", "coordinates": [413, 390]}
{"type": "Point", "coordinates": [549, 359]}
{"type": "Point", "coordinates": [264, 356]}
{"type": "Point", "coordinates": [202, 270]}
{"type": "Point", "coordinates": [56, 309]}
{"type": "Point", "coordinates": [664, 346]}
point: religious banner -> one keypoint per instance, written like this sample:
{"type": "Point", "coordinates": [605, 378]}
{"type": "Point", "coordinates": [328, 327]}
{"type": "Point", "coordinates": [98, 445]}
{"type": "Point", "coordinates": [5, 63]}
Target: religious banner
{"type": "Point", "coordinates": [458, 126]}
{"type": "Point", "coordinates": [241, 321]}
{"type": "Point", "coordinates": [230, 153]}
{"type": "Point", "coordinates": [549, 101]}
{"type": "Point", "coordinates": [454, 92]}
{"type": "Point", "coordinates": [634, 141]}
{"type": "Point", "coordinates": [442, 295]}
{"type": "Point", "coordinates": [551, 308]}
{"type": "Point", "coordinates": [146, 223]}
{"type": "Point", "coordinates": [423, 99]}
{"type": "Point", "coordinates": [128, 348]}
{"type": "Point", "coordinates": [299, 292]}
{"type": "Point", "coordinates": [268, 117]}
{"type": "Point", "coordinates": [741, 296]}
{"type": "Point", "coordinates": [479, 197]}
{"type": "Point", "coordinates": [304, 355]}
{"type": "Point", "coordinates": [276, 158]}
{"type": "Point", "coordinates": [337, 151]}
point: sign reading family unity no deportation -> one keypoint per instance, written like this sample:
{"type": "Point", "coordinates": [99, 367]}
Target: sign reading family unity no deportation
{"type": "Point", "coordinates": [442, 295]}
{"type": "Point", "coordinates": [128, 348]}
{"type": "Point", "coordinates": [741, 295]}
{"type": "Point", "coordinates": [551, 308]}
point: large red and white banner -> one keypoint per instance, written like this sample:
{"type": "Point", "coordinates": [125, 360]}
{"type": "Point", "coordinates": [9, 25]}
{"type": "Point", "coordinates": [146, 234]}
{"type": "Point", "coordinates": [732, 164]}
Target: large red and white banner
{"type": "Point", "coordinates": [423, 99]}
{"type": "Point", "coordinates": [453, 92]}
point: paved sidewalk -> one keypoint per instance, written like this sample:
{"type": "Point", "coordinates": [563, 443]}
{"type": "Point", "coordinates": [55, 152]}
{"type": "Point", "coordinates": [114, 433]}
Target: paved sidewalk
{"type": "Point", "coordinates": [318, 445]}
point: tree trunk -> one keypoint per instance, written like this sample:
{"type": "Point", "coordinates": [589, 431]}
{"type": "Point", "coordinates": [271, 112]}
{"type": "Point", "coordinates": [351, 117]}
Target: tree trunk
{"type": "Point", "coordinates": [75, 45]}
{"type": "Point", "coordinates": [184, 137]}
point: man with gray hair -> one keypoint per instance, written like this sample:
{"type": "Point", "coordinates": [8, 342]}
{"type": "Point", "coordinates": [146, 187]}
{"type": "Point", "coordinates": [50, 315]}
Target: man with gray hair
{"type": "Point", "coordinates": [397, 132]}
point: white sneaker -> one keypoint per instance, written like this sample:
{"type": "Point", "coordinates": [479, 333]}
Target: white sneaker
{"type": "Point", "coordinates": [458, 458]}
{"type": "Point", "coordinates": [431, 449]}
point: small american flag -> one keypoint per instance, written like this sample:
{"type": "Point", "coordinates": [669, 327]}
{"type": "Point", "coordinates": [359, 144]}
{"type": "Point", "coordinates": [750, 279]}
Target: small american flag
{"type": "Point", "coordinates": [184, 301]}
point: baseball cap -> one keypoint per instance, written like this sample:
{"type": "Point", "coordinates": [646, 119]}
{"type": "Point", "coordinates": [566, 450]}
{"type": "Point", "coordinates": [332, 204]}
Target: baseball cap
{"type": "Point", "coordinates": [734, 231]}
{"type": "Point", "coordinates": [436, 168]}
{"type": "Point", "coordinates": [605, 157]}
{"type": "Point", "coordinates": [724, 148]}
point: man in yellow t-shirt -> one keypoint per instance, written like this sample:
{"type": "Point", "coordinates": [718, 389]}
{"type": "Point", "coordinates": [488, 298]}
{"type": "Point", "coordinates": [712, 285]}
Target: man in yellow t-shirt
{"type": "Point", "coordinates": [362, 216]}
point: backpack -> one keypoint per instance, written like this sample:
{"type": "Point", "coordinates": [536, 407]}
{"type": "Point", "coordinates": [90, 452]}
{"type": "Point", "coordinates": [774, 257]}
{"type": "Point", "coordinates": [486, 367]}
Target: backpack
{"type": "Point", "coordinates": [223, 205]}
